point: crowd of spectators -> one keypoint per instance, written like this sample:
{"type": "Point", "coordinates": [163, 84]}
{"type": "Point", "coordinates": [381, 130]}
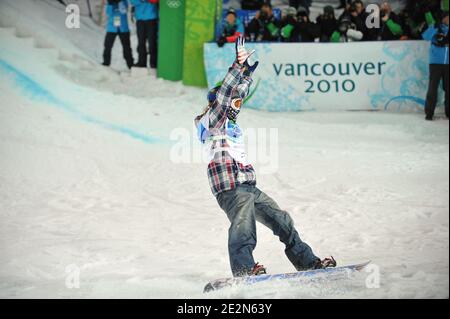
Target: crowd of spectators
{"type": "Point", "coordinates": [295, 24]}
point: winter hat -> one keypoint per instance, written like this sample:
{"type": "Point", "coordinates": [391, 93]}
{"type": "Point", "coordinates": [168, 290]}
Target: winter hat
{"type": "Point", "coordinates": [232, 11]}
{"type": "Point", "coordinates": [291, 11]}
{"type": "Point", "coordinates": [328, 10]}
{"type": "Point", "coordinates": [301, 10]}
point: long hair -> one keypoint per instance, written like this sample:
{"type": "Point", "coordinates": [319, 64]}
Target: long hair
{"type": "Point", "coordinates": [206, 109]}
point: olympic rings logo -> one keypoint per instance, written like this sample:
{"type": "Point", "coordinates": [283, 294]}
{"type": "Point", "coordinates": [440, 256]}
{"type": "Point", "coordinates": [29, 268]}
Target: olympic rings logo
{"type": "Point", "coordinates": [173, 4]}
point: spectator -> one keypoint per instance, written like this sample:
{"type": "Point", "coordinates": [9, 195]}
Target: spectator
{"type": "Point", "coordinates": [356, 14]}
{"type": "Point", "coordinates": [344, 4]}
{"type": "Point", "coordinates": [300, 3]}
{"type": "Point", "coordinates": [117, 25]}
{"type": "Point", "coordinates": [146, 14]}
{"type": "Point", "coordinates": [347, 31]}
{"type": "Point", "coordinates": [231, 29]}
{"type": "Point", "coordinates": [308, 31]}
{"type": "Point", "coordinates": [289, 27]}
{"type": "Point", "coordinates": [252, 4]}
{"type": "Point", "coordinates": [359, 17]}
{"type": "Point", "coordinates": [327, 23]}
{"type": "Point", "coordinates": [437, 34]}
{"type": "Point", "coordinates": [412, 17]}
{"type": "Point", "coordinates": [264, 26]}
{"type": "Point", "coordinates": [390, 24]}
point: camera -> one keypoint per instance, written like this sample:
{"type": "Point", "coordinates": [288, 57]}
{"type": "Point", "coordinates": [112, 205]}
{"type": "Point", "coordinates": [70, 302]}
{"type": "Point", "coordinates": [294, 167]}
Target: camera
{"type": "Point", "coordinates": [263, 15]}
{"type": "Point", "coordinates": [441, 39]}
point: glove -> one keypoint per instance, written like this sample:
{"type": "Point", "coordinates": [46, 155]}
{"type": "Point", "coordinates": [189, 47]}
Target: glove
{"type": "Point", "coordinates": [221, 41]}
{"type": "Point", "coordinates": [241, 53]}
{"type": "Point", "coordinates": [249, 69]}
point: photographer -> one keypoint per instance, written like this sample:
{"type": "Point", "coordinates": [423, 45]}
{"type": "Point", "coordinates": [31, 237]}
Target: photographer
{"type": "Point", "coordinates": [327, 23]}
{"type": "Point", "coordinates": [346, 32]}
{"type": "Point", "coordinates": [264, 26]}
{"type": "Point", "coordinates": [289, 27]}
{"type": "Point", "coordinates": [414, 17]}
{"type": "Point", "coordinates": [391, 28]}
{"type": "Point", "coordinates": [231, 29]}
{"type": "Point", "coordinates": [117, 25]}
{"type": "Point", "coordinates": [437, 34]}
{"type": "Point", "coordinates": [359, 17]}
{"type": "Point", "coordinates": [308, 31]}
{"type": "Point", "coordinates": [344, 4]}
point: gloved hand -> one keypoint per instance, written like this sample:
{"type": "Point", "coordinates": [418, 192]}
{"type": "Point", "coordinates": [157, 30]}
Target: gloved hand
{"type": "Point", "coordinates": [221, 41]}
{"type": "Point", "coordinates": [249, 69]}
{"type": "Point", "coordinates": [241, 53]}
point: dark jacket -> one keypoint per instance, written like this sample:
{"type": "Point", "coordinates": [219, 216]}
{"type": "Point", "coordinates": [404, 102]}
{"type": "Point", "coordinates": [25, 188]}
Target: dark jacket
{"type": "Point", "coordinates": [391, 29]}
{"type": "Point", "coordinates": [327, 27]}
{"type": "Point", "coordinates": [264, 29]}
{"type": "Point", "coordinates": [307, 31]}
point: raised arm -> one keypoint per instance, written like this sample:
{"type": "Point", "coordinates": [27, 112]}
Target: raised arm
{"type": "Point", "coordinates": [236, 83]}
{"type": "Point", "coordinates": [243, 88]}
{"type": "Point", "coordinates": [218, 110]}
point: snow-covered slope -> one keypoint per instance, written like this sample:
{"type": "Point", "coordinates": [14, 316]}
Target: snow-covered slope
{"type": "Point", "coordinates": [87, 180]}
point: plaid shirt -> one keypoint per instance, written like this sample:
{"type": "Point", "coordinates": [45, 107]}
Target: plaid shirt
{"type": "Point", "coordinates": [224, 172]}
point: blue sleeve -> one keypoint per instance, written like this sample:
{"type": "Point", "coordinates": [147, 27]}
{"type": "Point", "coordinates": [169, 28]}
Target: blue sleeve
{"type": "Point", "coordinates": [109, 11]}
{"type": "Point", "coordinates": [136, 2]}
{"type": "Point", "coordinates": [429, 33]}
{"type": "Point", "coordinates": [240, 27]}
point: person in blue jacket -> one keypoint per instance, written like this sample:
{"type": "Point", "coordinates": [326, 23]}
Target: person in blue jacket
{"type": "Point", "coordinates": [231, 28]}
{"type": "Point", "coordinates": [146, 15]}
{"type": "Point", "coordinates": [117, 25]}
{"type": "Point", "coordinates": [437, 33]}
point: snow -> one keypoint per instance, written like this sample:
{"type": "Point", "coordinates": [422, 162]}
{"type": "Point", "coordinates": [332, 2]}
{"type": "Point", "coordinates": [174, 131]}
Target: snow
{"type": "Point", "coordinates": [87, 182]}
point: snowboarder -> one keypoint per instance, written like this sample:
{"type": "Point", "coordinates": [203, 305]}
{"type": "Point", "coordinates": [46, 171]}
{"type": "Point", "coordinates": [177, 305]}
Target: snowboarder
{"type": "Point", "coordinates": [233, 180]}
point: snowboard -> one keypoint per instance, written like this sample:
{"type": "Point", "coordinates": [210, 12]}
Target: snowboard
{"type": "Point", "coordinates": [309, 274]}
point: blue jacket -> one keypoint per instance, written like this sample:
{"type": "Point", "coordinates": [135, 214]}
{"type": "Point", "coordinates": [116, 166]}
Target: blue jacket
{"type": "Point", "coordinates": [144, 10]}
{"type": "Point", "coordinates": [228, 28]}
{"type": "Point", "coordinates": [438, 55]}
{"type": "Point", "coordinates": [116, 13]}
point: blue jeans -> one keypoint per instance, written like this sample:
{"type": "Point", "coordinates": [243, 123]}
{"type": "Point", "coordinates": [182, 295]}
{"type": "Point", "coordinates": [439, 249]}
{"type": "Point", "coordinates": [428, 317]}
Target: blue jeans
{"type": "Point", "coordinates": [245, 205]}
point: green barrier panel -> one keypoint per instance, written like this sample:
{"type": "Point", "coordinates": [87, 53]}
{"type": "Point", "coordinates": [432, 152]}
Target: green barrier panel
{"type": "Point", "coordinates": [200, 18]}
{"type": "Point", "coordinates": [171, 38]}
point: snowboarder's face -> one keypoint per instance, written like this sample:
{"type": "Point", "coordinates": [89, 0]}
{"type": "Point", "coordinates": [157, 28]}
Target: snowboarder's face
{"type": "Point", "coordinates": [234, 109]}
